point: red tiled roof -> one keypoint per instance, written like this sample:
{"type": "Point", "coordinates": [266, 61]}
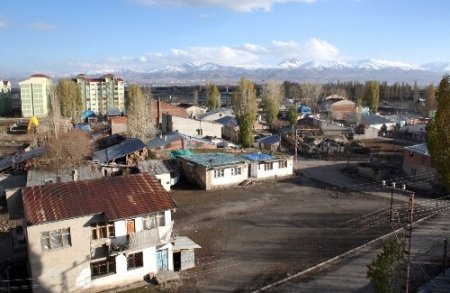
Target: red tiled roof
{"type": "Point", "coordinates": [117, 197]}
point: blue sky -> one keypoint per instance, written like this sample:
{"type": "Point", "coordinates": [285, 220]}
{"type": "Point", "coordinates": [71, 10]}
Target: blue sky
{"type": "Point", "coordinates": [63, 36]}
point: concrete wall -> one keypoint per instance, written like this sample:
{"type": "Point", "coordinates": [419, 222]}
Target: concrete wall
{"type": "Point", "coordinates": [203, 178]}
{"type": "Point", "coordinates": [257, 169]}
{"type": "Point", "coordinates": [191, 127]}
{"type": "Point", "coordinates": [228, 179]}
{"type": "Point", "coordinates": [165, 180]}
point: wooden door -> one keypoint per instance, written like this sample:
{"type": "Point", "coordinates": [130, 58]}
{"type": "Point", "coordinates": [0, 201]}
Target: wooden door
{"type": "Point", "coordinates": [130, 227]}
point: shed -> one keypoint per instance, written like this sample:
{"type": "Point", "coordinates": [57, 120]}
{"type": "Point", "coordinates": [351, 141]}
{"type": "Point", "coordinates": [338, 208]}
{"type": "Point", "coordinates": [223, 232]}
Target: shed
{"type": "Point", "coordinates": [183, 253]}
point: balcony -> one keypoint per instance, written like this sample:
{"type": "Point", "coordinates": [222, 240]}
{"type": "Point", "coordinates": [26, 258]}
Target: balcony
{"type": "Point", "coordinates": [134, 241]}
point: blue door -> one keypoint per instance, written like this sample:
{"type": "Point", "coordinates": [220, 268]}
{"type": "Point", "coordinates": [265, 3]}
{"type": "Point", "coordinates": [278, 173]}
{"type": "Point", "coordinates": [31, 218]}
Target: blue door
{"type": "Point", "coordinates": [162, 262]}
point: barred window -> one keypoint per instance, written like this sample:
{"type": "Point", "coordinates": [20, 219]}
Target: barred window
{"type": "Point", "coordinates": [135, 260]}
{"type": "Point", "coordinates": [103, 268]}
{"type": "Point", "coordinates": [55, 239]}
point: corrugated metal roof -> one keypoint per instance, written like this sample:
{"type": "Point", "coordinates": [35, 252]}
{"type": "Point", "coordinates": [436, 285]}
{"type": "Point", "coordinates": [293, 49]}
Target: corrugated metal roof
{"type": "Point", "coordinates": [20, 158]}
{"type": "Point", "coordinates": [164, 140]}
{"type": "Point", "coordinates": [118, 151]}
{"type": "Point", "coordinates": [213, 159]}
{"type": "Point", "coordinates": [371, 119]}
{"type": "Point", "coordinates": [258, 157]}
{"type": "Point", "coordinates": [419, 148]}
{"type": "Point", "coordinates": [117, 197]}
{"type": "Point", "coordinates": [40, 177]}
{"type": "Point", "coordinates": [183, 242]}
{"type": "Point", "coordinates": [228, 121]}
{"type": "Point", "coordinates": [273, 139]}
{"type": "Point", "coordinates": [155, 167]}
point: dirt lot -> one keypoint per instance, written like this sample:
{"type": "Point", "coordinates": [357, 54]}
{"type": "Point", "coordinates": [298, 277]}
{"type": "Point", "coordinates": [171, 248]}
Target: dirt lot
{"type": "Point", "coordinates": [254, 235]}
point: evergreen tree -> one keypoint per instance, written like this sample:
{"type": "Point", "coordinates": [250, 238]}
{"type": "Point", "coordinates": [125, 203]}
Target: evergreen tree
{"type": "Point", "coordinates": [416, 92]}
{"type": "Point", "coordinates": [438, 132]}
{"type": "Point", "coordinates": [212, 96]}
{"type": "Point", "coordinates": [245, 108]}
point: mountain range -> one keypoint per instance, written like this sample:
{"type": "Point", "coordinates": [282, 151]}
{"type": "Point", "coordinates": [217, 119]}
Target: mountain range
{"type": "Point", "coordinates": [293, 70]}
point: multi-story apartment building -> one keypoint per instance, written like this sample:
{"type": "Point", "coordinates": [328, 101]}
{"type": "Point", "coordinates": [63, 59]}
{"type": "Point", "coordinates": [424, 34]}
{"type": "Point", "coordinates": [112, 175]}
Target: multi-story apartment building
{"type": "Point", "coordinates": [97, 234]}
{"type": "Point", "coordinates": [5, 86]}
{"type": "Point", "coordinates": [102, 94]}
{"type": "Point", "coordinates": [35, 95]}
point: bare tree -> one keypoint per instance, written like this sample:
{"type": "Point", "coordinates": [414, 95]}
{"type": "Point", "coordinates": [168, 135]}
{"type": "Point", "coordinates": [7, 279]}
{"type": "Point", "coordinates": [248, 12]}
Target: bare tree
{"type": "Point", "coordinates": [311, 93]}
{"type": "Point", "coordinates": [65, 151]}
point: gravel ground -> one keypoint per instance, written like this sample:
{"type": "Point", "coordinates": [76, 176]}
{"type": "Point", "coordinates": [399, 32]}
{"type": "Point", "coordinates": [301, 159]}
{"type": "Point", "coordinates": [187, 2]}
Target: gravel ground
{"type": "Point", "coordinates": [258, 234]}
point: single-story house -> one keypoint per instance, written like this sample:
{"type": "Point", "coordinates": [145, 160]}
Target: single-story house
{"type": "Point", "coordinates": [97, 234]}
{"type": "Point", "coordinates": [213, 170]}
{"type": "Point", "coordinates": [183, 253]}
{"type": "Point", "coordinates": [270, 143]}
{"type": "Point", "coordinates": [160, 170]}
{"type": "Point", "coordinates": [269, 166]}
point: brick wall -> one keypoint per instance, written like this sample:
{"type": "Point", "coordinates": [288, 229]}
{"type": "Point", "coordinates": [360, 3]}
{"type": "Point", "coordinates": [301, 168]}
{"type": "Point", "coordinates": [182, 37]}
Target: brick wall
{"type": "Point", "coordinates": [158, 108]}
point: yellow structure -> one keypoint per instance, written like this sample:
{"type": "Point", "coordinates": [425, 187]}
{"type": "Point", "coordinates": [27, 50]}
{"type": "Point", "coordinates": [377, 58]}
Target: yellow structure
{"type": "Point", "coordinates": [34, 122]}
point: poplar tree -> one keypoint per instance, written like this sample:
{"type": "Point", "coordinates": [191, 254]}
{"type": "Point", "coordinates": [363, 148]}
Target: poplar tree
{"type": "Point", "coordinates": [430, 99]}
{"type": "Point", "coordinates": [245, 108]}
{"type": "Point", "coordinates": [372, 95]}
{"type": "Point", "coordinates": [69, 98]}
{"type": "Point", "coordinates": [138, 112]}
{"type": "Point", "coordinates": [271, 100]}
{"type": "Point", "coordinates": [438, 132]}
{"type": "Point", "coordinates": [212, 96]}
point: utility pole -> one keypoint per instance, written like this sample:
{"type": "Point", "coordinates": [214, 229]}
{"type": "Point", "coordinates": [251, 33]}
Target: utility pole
{"type": "Point", "coordinates": [408, 236]}
{"type": "Point", "coordinates": [392, 201]}
{"type": "Point", "coordinates": [295, 144]}
{"type": "Point", "coordinates": [445, 257]}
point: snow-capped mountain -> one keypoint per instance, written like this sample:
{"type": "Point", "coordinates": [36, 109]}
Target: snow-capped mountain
{"type": "Point", "coordinates": [293, 69]}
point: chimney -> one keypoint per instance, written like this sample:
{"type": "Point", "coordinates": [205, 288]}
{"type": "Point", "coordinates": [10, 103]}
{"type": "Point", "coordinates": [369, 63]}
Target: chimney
{"type": "Point", "coordinates": [74, 175]}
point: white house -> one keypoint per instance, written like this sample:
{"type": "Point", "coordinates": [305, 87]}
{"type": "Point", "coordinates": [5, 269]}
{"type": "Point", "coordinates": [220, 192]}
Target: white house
{"type": "Point", "coordinates": [97, 234]}
{"type": "Point", "coordinates": [269, 166]}
{"type": "Point", "coordinates": [213, 170]}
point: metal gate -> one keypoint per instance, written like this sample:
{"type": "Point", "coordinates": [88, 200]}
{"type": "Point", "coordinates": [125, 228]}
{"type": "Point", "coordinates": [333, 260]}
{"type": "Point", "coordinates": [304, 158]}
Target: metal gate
{"type": "Point", "coordinates": [162, 262]}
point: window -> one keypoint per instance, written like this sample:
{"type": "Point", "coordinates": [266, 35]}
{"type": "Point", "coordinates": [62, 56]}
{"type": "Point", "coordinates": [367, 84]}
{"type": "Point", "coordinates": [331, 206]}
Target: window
{"type": "Point", "coordinates": [219, 173]}
{"type": "Point", "coordinates": [135, 260]}
{"type": "Point", "coordinates": [103, 268]}
{"type": "Point", "coordinates": [55, 239]}
{"type": "Point", "coordinates": [236, 171]}
{"type": "Point", "coordinates": [268, 166]}
{"type": "Point", "coordinates": [153, 221]}
{"type": "Point", "coordinates": [102, 230]}
{"type": "Point", "coordinates": [282, 164]}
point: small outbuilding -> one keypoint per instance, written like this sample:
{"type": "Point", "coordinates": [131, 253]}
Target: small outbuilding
{"type": "Point", "coordinates": [183, 253]}
{"type": "Point", "coordinates": [269, 166]}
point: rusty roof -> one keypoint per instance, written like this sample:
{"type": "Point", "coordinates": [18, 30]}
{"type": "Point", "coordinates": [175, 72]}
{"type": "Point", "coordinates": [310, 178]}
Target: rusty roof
{"type": "Point", "coordinates": [117, 197]}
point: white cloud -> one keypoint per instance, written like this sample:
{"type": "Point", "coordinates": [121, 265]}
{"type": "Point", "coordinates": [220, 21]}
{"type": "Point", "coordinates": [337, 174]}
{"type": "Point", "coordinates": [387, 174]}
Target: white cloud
{"type": "Point", "coordinates": [236, 5]}
{"type": "Point", "coordinates": [42, 26]}
{"type": "Point", "coordinates": [3, 23]}
{"type": "Point", "coordinates": [245, 55]}
{"type": "Point", "coordinates": [207, 15]}
{"type": "Point", "coordinates": [313, 49]}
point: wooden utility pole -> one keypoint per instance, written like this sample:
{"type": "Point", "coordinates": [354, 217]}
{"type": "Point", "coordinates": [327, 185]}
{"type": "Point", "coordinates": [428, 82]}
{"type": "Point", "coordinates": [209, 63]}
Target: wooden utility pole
{"type": "Point", "coordinates": [295, 133]}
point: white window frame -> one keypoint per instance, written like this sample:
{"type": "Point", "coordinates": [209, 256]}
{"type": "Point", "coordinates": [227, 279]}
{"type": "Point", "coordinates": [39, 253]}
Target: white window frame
{"type": "Point", "coordinates": [218, 173]}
